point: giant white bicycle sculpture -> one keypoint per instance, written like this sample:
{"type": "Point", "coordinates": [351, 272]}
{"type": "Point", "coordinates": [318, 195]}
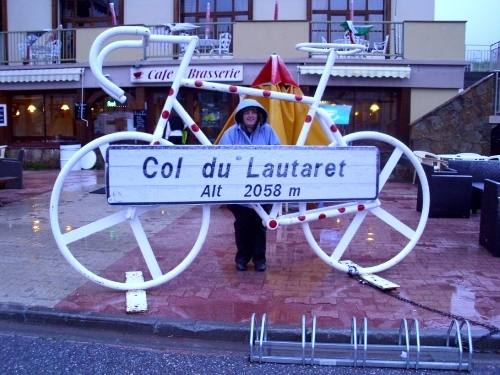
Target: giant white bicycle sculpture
{"type": "Point", "coordinates": [356, 210]}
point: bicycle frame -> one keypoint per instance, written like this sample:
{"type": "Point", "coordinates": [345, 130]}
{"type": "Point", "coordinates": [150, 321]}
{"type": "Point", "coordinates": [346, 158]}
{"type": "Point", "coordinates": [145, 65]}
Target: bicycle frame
{"type": "Point", "coordinates": [357, 208]}
{"type": "Point", "coordinates": [330, 129]}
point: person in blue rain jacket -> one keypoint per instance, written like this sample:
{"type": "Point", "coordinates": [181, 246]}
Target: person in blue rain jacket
{"type": "Point", "coordinates": [251, 128]}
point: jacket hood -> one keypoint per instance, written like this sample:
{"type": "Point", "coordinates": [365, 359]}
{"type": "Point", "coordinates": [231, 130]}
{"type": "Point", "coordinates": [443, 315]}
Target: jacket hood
{"type": "Point", "coordinates": [245, 103]}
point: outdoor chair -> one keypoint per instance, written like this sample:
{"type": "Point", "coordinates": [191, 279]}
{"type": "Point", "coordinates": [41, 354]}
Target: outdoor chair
{"type": "Point", "coordinates": [55, 51]}
{"type": "Point", "coordinates": [13, 167]}
{"type": "Point", "coordinates": [223, 46]}
{"type": "Point", "coordinates": [380, 47]}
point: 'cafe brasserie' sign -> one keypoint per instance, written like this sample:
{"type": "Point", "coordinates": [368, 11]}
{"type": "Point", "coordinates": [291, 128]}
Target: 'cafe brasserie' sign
{"type": "Point", "coordinates": [203, 72]}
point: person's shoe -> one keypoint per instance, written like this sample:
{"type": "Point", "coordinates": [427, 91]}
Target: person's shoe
{"type": "Point", "coordinates": [241, 267]}
{"type": "Point", "coordinates": [260, 267]}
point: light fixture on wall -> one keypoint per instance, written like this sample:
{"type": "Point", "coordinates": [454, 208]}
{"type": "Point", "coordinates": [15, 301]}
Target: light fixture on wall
{"type": "Point", "coordinates": [374, 107]}
{"type": "Point", "coordinates": [31, 108]}
{"type": "Point", "coordinates": [64, 107]}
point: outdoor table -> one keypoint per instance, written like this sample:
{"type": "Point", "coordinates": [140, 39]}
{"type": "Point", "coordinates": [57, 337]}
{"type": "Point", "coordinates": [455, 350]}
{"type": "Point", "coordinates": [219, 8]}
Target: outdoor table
{"type": "Point", "coordinates": [206, 45]}
{"type": "Point", "coordinates": [459, 157]}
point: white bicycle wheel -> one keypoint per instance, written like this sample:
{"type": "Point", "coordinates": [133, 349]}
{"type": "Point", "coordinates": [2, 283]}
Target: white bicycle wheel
{"type": "Point", "coordinates": [100, 238]}
{"type": "Point", "coordinates": [338, 240]}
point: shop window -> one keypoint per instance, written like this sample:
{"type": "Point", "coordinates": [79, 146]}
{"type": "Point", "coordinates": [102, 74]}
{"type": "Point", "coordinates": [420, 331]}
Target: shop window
{"type": "Point", "coordinates": [89, 13]}
{"type": "Point", "coordinates": [43, 118]}
{"type": "Point", "coordinates": [369, 110]}
{"type": "Point", "coordinates": [327, 17]}
{"type": "Point", "coordinates": [220, 10]}
{"type": "Point", "coordinates": [110, 116]}
{"type": "Point", "coordinates": [211, 112]}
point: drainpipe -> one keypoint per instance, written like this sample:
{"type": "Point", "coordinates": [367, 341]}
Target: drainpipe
{"type": "Point", "coordinates": [81, 106]}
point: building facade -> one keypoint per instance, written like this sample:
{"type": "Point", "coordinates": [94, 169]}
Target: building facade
{"type": "Point", "coordinates": [51, 95]}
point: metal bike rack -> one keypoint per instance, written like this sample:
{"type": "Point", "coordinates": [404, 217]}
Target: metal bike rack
{"type": "Point", "coordinates": [408, 353]}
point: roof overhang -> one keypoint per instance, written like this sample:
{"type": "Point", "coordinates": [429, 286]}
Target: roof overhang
{"type": "Point", "coordinates": [41, 75]}
{"type": "Point", "coordinates": [359, 71]}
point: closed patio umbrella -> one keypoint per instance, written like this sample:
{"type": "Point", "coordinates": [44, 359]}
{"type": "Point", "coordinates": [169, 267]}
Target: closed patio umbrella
{"type": "Point", "coordinates": [285, 117]}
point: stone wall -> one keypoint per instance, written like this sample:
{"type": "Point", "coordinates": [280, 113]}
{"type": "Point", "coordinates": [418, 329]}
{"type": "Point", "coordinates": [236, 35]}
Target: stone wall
{"type": "Point", "coordinates": [458, 125]}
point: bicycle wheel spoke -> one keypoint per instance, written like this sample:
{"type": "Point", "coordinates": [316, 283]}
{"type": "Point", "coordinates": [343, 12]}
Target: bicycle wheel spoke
{"type": "Point", "coordinates": [389, 167]}
{"type": "Point", "coordinates": [144, 245]}
{"type": "Point", "coordinates": [94, 227]}
{"type": "Point", "coordinates": [393, 222]}
{"type": "Point", "coordinates": [103, 149]}
{"type": "Point", "coordinates": [348, 235]}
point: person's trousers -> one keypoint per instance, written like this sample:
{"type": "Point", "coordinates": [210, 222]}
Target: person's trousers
{"type": "Point", "coordinates": [250, 235]}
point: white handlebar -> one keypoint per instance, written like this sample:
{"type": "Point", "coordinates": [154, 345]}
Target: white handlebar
{"type": "Point", "coordinates": [96, 58]}
{"type": "Point", "coordinates": [340, 48]}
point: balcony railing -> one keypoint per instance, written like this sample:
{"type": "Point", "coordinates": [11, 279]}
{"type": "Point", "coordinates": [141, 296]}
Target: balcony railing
{"type": "Point", "coordinates": [37, 47]}
{"type": "Point", "coordinates": [496, 109]}
{"type": "Point", "coordinates": [495, 56]}
{"type": "Point", "coordinates": [483, 58]}
{"type": "Point", "coordinates": [205, 47]}
{"type": "Point", "coordinates": [333, 31]}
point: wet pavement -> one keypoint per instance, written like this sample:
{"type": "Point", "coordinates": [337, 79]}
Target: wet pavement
{"type": "Point", "coordinates": [447, 275]}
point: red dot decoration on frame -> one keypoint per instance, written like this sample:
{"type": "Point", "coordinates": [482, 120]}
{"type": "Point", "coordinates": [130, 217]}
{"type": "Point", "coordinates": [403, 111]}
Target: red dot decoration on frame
{"type": "Point", "coordinates": [334, 128]}
{"type": "Point", "coordinates": [308, 118]}
{"type": "Point", "coordinates": [198, 83]}
{"type": "Point", "coordinates": [195, 128]}
{"type": "Point", "coordinates": [233, 89]}
{"type": "Point", "coordinates": [171, 92]}
{"type": "Point", "coordinates": [298, 98]}
{"type": "Point", "coordinates": [361, 207]}
{"type": "Point", "coordinates": [156, 143]}
{"type": "Point", "coordinates": [342, 210]}
{"type": "Point", "coordinates": [301, 218]}
{"type": "Point", "coordinates": [322, 216]}
{"type": "Point", "coordinates": [266, 93]}
{"type": "Point", "coordinates": [165, 114]}
{"type": "Point", "coordinates": [273, 224]}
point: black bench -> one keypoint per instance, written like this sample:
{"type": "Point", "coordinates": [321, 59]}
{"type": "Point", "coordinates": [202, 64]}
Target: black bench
{"type": "Point", "coordinates": [4, 181]}
{"type": "Point", "coordinates": [449, 193]}
{"type": "Point", "coordinates": [489, 227]}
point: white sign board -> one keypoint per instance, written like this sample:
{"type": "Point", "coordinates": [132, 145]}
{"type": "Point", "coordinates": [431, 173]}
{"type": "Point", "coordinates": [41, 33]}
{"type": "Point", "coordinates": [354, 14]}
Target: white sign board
{"type": "Point", "coordinates": [140, 175]}
{"type": "Point", "coordinates": [214, 73]}
{"type": "Point", "coordinates": [3, 114]}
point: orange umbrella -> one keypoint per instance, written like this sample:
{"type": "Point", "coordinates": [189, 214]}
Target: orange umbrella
{"type": "Point", "coordinates": [285, 117]}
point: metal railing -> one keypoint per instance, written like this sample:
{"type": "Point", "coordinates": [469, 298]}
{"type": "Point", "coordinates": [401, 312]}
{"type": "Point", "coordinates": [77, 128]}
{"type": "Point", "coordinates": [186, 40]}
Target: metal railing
{"type": "Point", "coordinates": [496, 111]}
{"type": "Point", "coordinates": [332, 30]}
{"type": "Point", "coordinates": [38, 47]}
{"type": "Point", "coordinates": [495, 57]}
{"type": "Point", "coordinates": [483, 58]}
{"type": "Point", "coordinates": [208, 42]}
